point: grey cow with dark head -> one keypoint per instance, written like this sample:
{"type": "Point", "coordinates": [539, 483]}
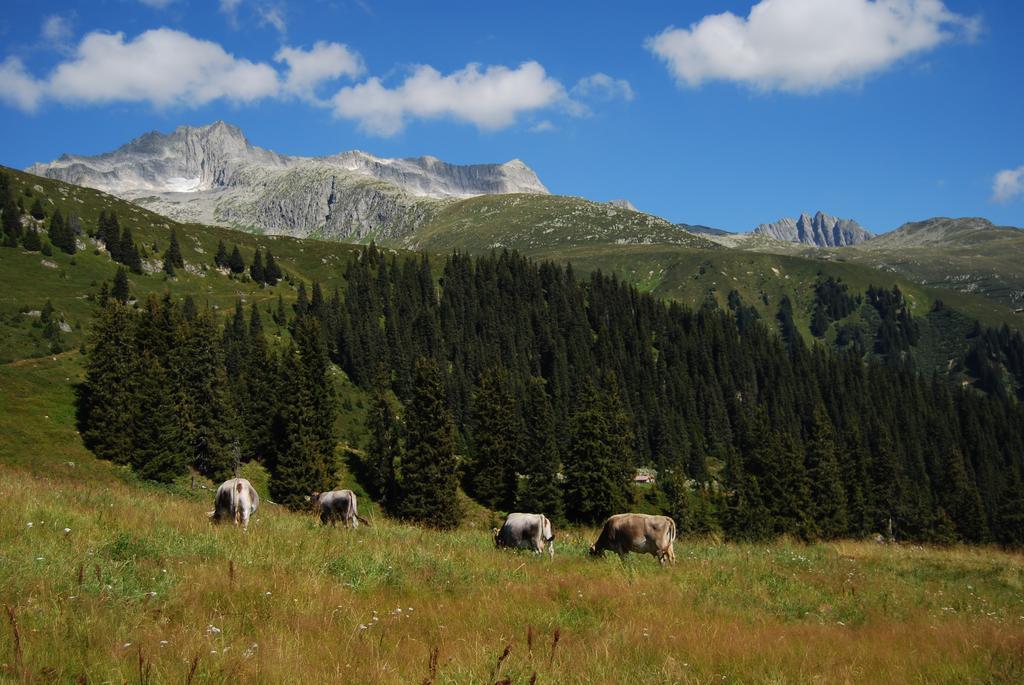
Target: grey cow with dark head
{"type": "Point", "coordinates": [337, 505]}
{"type": "Point", "coordinates": [526, 531]}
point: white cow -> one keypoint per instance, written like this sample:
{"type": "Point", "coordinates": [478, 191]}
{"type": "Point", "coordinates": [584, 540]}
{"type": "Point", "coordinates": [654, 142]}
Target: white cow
{"type": "Point", "coordinates": [236, 499]}
{"type": "Point", "coordinates": [337, 505]}
{"type": "Point", "coordinates": [526, 531]}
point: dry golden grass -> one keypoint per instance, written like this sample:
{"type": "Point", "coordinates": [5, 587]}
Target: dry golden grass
{"type": "Point", "coordinates": [142, 585]}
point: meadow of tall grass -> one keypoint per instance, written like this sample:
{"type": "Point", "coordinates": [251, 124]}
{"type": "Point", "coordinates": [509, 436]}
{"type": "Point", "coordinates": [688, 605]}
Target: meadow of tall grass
{"type": "Point", "coordinates": [105, 579]}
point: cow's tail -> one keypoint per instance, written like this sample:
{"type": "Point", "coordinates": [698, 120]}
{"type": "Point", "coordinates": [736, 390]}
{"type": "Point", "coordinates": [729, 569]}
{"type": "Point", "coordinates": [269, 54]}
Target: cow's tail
{"type": "Point", "coordinates": [362, 520]}
{"type": "Point", "coordinates": [672, 531]}
{"type": "Point", "coordinates": [236, 496]}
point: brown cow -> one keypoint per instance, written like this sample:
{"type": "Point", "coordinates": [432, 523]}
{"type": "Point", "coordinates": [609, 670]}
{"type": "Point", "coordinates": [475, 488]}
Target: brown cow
{"type": "Point", "coordinates": [641, 533]}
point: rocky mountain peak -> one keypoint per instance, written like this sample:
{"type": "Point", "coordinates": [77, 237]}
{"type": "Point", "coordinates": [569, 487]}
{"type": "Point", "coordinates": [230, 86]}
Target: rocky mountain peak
{"type": "Point", "coordinates": [213, 174]}
{"type": "Point", "coordinates": [821, 230]}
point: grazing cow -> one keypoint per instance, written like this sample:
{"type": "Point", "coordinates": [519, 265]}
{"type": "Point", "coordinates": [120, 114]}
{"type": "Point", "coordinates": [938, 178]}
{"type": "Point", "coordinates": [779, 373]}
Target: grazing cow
{"type": "Point", "coordinates": [641, 533]}
{"type": "Point", "coordinates": [337, 504]}
{"type": "Point", "coordinates": [526, 531]}
{"type": "Point", "coordinates": [236, 499]}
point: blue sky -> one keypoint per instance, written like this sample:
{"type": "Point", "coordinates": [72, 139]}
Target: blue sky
{"type": "Point", "coordinates": [880, 110]}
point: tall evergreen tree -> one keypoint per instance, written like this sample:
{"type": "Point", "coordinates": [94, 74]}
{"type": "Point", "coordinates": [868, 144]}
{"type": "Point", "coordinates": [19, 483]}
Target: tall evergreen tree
{"type": "Point", "coordinates": [428, 484]}
{"type": "Point", "coordinates": [271, 271]}
{"type": "Point", "coordinates": [174, 251]}
{"type": "Point", "coordinates": [37, 212]}
{"type": "Point", "coordinates": [539, 490]}
{"type": "Point", "coordinates": [492, 473]}
{"type": "Point", "coordinates": [120, 291]}
{"type": "Point", "coordinates": [111, 375]}
{"type": "Point", "coordinates": [598, 465]}
{"type": "Point", "coordinates": [828, 496]}
{"type": "Point", "coordinates": [256, 270]}
{"type": "Point", "coordinates": [208, 423]}
{"type": "Point", "coordinates": [156, 451]}
{"type": "Point", "coordinates": [305, 461]}
{"type": "Point", "coordinates": [235, 262]}
{"type": "Point", "coordinates": [384, 451]}
{"type": "Point", "coordinates": [220, 259]}
{"type": "Point", "coordinates": [60, 233]}
{"type": "Point", "coordinates": [30, 241]}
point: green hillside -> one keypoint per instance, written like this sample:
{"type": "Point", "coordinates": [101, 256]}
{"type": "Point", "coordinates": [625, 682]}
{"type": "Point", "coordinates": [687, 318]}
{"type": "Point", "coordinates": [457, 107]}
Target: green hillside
{"type": "Point", "coordinates": [543, 225]}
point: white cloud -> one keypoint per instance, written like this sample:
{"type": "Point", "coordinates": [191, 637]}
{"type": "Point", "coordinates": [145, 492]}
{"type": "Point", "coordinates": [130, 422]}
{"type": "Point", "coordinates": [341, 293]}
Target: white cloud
{"type": "Point", "coordinates": [274, 16]}
{"type": "Point", "coordinates": [1008, 184]}
{"type": "Point", "coordinates": [168, 68]}
{"type": "Point", "coordinates": [229, 8]}
{"type": "Point", "coordinates": [544, 126]}
{"type": "Point", "coordinates": [56, 29]}
{"type": "Point", "coordinates": [17, 87]}
{"type": "Point", "coordinates": [490, 99]}
{"type": "Point", "coordinates": [162, 67]}
{"type": "Point", "coordinates": [324, 62]}
{"type": "Point", "coordinates": [807, 45]}
{"type": "Point", "coordinates": [601, 86]}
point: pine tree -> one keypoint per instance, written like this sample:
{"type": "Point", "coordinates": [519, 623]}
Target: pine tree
{"type": "Point", "coordinates": [680, 506]}
{"type": "Point", "coordinates": [280, 314]}
{"type": "Point", "coordinates": [828, 496]}
{"type": "Point", "coordinates": [428, 484]}
{"type": "Point", "coordinates": [174, 252]}
{"type": "Point", "coordinates": [492, 476]}
{"type": "Point", "coordinates": [60, 233]}
{"type": "Point", "coordinates": [256, 270]}
{"type": "Point", "coordinates": [271, 271]}
{"type": "Point", "coordinates": [11, 215]}
{"type": "Point", "coordinates": [598, 463]}
{"type": "Point", "coordinates": [261, 392]}
{"type": "Point", "coordinates": [383, 452]}
{"type": "Point", "coordinates": [128, 251]}
{"type": "Point", "coordinates": [104, 406]}
{"type": "Point", "coordinates": [539, 490]}
{"type": "Point", "coordinates": [305, 461]}
{"type": "Point", "coordinates": [235, 262]}
{"type": "Point", "coordinates": [168, 264]}
{"type": "Point", "coordinates": [220, 259]}
{"type": "Point", "coordinates": [208, 425]}
{"type": "Point", "coordinates": [120, 290]}
{"type": "Point", "coordinates": [31, 241]}
{"type": "Point", "coordinates": [156, 451]}
{"type": "Point", "coordinates": [37, 212]}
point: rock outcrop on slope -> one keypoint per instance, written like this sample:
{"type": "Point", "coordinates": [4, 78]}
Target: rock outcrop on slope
{"type": "Point", "coordinates": [821, 230]}
{"type": "Point", "coordinates": [212, 174]}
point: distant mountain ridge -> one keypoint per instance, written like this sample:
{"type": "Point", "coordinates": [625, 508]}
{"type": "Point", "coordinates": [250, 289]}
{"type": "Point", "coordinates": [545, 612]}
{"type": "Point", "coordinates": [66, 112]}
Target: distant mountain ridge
{"type": "Point", "coordinates": [821, 230]}
{"type": "Point", "coordinates": [213, 174]}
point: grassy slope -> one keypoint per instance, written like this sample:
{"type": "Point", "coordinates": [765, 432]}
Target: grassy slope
{"type": "Point", "coordinates": [542, 225]}
{"type": "Point", "coordinates": [142, 572]}
{"type": "Point", "coordinates": [659, 257]}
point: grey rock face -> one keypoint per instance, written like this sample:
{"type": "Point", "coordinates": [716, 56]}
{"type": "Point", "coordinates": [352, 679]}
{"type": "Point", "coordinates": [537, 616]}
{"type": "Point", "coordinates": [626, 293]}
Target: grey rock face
{"type": "Point", "coordinates": [821, 230]}
{"type": "Point", "coordinates": [213, 174]}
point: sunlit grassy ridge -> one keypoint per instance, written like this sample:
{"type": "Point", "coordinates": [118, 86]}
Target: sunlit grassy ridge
{"type": "Point", "coordinates": [141, 573]}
